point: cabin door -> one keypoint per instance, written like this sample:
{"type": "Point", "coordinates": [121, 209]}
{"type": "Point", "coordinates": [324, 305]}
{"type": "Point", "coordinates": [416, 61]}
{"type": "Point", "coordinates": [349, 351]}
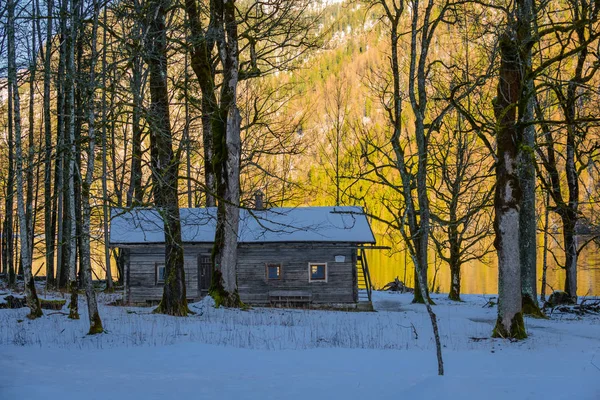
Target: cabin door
{"type": "Point", "coordinates": [204, 274]}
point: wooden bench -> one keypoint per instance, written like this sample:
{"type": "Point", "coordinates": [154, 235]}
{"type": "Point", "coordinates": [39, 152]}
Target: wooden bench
{"type": "Point", "coordinates": [291, 297]}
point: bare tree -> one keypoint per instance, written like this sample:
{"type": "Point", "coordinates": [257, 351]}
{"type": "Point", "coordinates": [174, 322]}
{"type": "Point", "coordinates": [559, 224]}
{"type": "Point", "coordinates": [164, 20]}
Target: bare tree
{"type": "Point", "coordinates": [565, 144]}
{"type": "Point", "coordinates": [8, 260]}
{"type": "Point", "coordinates": [272, 36]}
{"type": "Point", "coordinates": [507, 202]}
{"type": "Point", "coordinates": [164, 162]}
{"type": "Point", "coordinates": [105, 211]}
{"type": "Point", "coordinates": [32, 300]}
{"type": "Point", "coordinates": [461, 211]}
{"type": "Point", "coordinates": [337, 110]}
{"type": "Point", "coordinates": [412, 218]}
{"type": "Point", "coordinates": [71, 231]}
{"type": "Point", "coordinates": [526, 14]}
{"type": "Point", "coordinates": [86, 262]}
{"type": "Point", "coordinates": [226, 159]}
{"type": "Point", "coordinates": [49, 217]}
{"type": "Point", "coordinates": [30, 210]}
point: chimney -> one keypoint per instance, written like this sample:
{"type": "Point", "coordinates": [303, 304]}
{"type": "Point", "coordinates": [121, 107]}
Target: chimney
{"type": "Point", "coordinates": [259, 200]}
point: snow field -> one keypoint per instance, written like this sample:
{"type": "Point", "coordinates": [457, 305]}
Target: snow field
{"type": "Point", "coordinates": [297, 354]}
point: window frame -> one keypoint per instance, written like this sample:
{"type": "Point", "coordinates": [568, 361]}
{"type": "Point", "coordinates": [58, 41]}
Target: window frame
{"type": "Point", "coordinates": [157, 267]}
{"type": "Point", "coordinates": [280, 276]}
{"type": "Point", "coordinates": [310, 279]}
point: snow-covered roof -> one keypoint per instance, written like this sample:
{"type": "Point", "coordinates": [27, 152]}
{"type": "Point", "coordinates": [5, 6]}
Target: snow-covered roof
{"type": "Point", "coordinates": [301, 224]}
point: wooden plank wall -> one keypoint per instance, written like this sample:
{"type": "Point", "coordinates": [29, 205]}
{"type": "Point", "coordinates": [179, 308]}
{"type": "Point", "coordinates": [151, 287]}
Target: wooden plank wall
{"type": "Point", "coordinates": [254, 287]}
{"type": "Point", "coordinates": [142, 275]}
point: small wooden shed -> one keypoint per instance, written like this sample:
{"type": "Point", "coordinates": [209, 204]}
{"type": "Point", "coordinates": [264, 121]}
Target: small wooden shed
{"type": "Point", "coordinates": [304, 255]}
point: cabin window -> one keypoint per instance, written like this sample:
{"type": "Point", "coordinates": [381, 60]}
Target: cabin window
{"type": "Point", "coordinates": [317, 272]}
{"type": "Point", "coordinates": [160, 273]}
{"type": "Point", "coordinates": [273, 272]}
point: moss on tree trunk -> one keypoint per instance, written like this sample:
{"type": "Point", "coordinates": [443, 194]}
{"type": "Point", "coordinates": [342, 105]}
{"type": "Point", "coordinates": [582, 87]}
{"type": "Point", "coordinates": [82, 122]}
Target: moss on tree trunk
{"type": "Point", "coordinates": [516, 331]}
{"type": "Point", "coordinates": [33, 301]}
{"type": "Point", "coordinates": [532, 308]}
{"type": "Point", "coordinates": [96, 325]}
{"type": "Point", "coordinates": [221, 296]}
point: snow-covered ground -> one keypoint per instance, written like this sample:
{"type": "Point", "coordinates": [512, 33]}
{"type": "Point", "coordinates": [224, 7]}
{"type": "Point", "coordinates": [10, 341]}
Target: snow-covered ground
{"type": "Point", "coordinates": [297, 354]}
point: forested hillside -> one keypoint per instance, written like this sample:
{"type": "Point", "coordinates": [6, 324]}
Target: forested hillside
{"type": "Point", "coordinates": [344, 89]}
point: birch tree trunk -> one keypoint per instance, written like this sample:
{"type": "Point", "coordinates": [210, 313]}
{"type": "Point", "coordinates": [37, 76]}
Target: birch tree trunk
{"type": "Point", "coordinates": [71, 211]}
{"type": "Point", "coordinates": [31, 296]}
{"type": "Point", "coordinates": [86, 265]}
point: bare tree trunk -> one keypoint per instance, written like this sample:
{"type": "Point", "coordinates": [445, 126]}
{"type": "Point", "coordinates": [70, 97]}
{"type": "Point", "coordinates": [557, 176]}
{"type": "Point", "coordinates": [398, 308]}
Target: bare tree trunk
{"type": "Point", "coordinates": [134, 193]}
{"type": "Point", "coordinates": [201, 63]}
{"type": "Point", "coordinates": [418, 101]}
{"type": "Point", "coordinates": [79, 120]}
{"type": "Point", "coordinates": [227, 151]}
{"type": "Point", "coordinates": [570, 241]}
{"type": "Point", "coordinates": [508, 192]}
{"type": "Point", "coordinates": [417, 234]}
{"type": "Point", "coordinates": [2, 247]}
{"type": "Point", "coordinates": [29, 200]}
{"type": "Point", "coordinates": [569, 214]}
{"type": "Point", "coordinates": [61, 167]}
{"type": "Point", "coordinates": [165, 165]}
{"type": "Point", "coordinates": [436, 334]}
{"type": "Point", "coordinates": [71, 208]}
{"type": "Point", "coordinates": [528, 228]}
{"type": "Point", "coordinates": [209, 172]}
{"type": "Point", "coordinates": [222, 143]}
{"type": "Point", "coordinates": [49, 209]}
{"type": "Point", "coordinates": [186, 134]}
{"type": "Point", "coordinates": [8, 233]}
{"type": "Point", "coordinates": [527, 214]}
{"type": "Point", "coordinates": [454, 264]}
{"type": "Point", "coordinates": [86, 264]}
{"type": "Point", "coordinates": [105, 211]}
{"type": "Point", "coordinates": [7, 236]}
{"type": "Point", "coordinates": [545, 245]}
{"type": "Point", "coordinates": [571, 100]}
{"type": "Point", "coordinates": [32, 300]}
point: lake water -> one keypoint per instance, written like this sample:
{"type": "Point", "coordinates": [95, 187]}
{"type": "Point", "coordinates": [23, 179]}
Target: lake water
{"type": "Point", "coordinates": [480, 277]}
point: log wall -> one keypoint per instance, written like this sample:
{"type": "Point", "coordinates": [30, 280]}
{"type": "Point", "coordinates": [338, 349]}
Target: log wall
{"type": "Point", "coordinates": [254, 287]}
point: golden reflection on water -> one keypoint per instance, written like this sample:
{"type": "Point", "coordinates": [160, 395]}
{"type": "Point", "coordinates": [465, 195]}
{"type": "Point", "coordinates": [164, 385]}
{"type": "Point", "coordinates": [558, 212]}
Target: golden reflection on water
{"type": "Point", "coordinates": [481, 277]}
{"type": "Point", "coordinates": [478, 277]}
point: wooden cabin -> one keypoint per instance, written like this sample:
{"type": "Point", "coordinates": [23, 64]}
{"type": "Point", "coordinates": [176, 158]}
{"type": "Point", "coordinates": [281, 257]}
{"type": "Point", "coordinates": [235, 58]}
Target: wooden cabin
{"type": "Point", "coordinates": [292, 256]}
